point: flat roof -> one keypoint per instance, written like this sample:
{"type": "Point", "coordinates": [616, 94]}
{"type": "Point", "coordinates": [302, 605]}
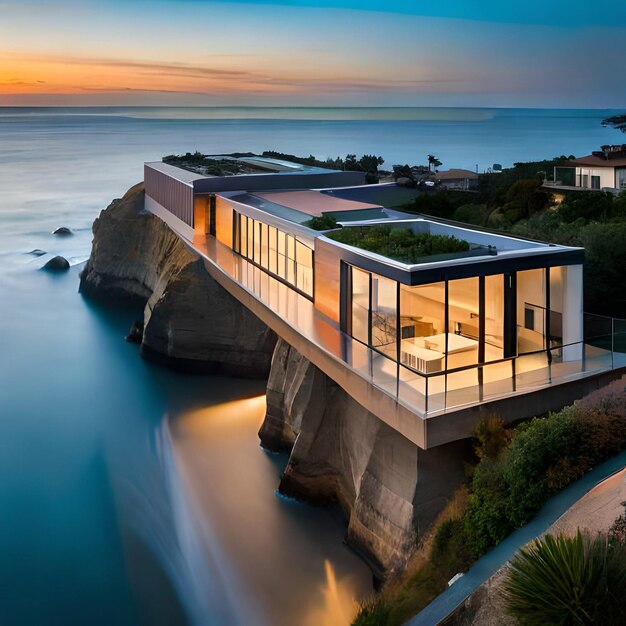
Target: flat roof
{"type": "Point", "coordinates": [262, 165]}
{"type": "Point", "coordinates": [314, 203]}
{"type": "Point", "coordinates": [178, 173]}
{"type": "Point", "coordinates": [382, 194]}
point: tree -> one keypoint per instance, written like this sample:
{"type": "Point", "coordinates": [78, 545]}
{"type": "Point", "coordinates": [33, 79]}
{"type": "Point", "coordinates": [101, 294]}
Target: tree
{"type": "Point", "coordinates": [616, 121]}
{"type": "Point", "coordinates": [433, 162]}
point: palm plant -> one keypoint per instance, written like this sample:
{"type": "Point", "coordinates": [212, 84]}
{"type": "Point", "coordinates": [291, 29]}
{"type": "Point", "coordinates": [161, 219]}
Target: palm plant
{"type": "Point", "coordinates": [565, 581]}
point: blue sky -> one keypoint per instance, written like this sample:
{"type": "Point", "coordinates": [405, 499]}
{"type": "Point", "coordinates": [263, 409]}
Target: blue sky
{"type": "Point", "coordinates": [304, 52]}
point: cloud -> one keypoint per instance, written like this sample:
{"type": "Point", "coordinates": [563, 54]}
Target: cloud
{"type": "Point", "coordinates": [122, 75]}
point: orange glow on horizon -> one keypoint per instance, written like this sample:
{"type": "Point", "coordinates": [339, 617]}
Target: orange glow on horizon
{"type": "Point", "coordinates": [224, 76]}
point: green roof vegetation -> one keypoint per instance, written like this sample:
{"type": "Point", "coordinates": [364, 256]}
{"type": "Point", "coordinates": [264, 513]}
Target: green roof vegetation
{"type": "Point", "coordinates": [325, 222]}
{"type": "Point", "coordinates": [401, 244]}
{"type": "Point", "coordinates": [210, 166]}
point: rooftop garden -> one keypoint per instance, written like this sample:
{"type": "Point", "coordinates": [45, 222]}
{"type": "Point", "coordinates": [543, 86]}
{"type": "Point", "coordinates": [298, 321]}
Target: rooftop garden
{"type": "Point", "coordinates": [401, 244]}
{"type": "Point", "coordinates": [211, 166]}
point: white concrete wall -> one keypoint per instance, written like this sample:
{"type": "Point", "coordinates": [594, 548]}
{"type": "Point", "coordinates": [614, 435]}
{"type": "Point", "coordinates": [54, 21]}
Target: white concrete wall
{"type": "Point", "coordinates": [606, 174]}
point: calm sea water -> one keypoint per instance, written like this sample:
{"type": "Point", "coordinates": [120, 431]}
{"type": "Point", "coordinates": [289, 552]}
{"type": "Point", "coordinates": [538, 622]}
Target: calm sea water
{"type": "Point", "coordinates": [131, 494]}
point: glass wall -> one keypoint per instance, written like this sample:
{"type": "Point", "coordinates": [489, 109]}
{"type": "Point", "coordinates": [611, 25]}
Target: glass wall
{"type": "Point", "coordinates": [557, 287]}
{"type": "Point", "coordinates": [275, 251]}
{"type": "Point", "coordinates": [361, 305]}
{"type": "Point", "coordinates": [463, 322]}
{"type": "Point", "coordinates": [422, 326]}
{"type": "Point", "coordinates": [531, 311]}
{"type": "Point", "coordinates": [494, 317]}
{"type": "Point", "coordinates": [385, 315]}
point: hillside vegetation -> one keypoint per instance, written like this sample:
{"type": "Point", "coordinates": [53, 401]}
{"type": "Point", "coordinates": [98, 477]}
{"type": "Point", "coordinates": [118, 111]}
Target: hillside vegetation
{"type": "Point", "coordinates": [516, 202]}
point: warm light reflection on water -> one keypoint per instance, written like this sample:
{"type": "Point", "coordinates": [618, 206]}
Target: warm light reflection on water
{"type": "Point", "coordinates": [283, 562]}
{"type": "Point", "coordinates": [229, 415]}
{"type": "Point", "coordinates": [339, 605]}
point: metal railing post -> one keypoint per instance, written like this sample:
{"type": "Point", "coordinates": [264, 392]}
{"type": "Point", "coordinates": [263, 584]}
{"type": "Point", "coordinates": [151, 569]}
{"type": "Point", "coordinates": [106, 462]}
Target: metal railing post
{"type": "Point", "coordinates": [612, 343]}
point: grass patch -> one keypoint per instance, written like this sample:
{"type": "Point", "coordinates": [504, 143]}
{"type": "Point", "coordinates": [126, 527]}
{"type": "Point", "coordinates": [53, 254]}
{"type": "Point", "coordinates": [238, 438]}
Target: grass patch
{"type": "Point", "coordinates": [401, 244]}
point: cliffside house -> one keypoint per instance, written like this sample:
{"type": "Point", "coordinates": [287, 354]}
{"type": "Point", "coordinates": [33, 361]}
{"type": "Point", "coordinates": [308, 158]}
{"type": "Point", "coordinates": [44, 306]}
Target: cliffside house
{"type": "Point", "coordinates": [458, 179]}
{"type": "Point", "coordinates": [412, 340]}
{"type": "Point", "coordinates": [602, 170]}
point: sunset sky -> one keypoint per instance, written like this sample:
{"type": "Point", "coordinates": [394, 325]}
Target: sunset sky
{"type": "Point", "coordinates": [552, 53]}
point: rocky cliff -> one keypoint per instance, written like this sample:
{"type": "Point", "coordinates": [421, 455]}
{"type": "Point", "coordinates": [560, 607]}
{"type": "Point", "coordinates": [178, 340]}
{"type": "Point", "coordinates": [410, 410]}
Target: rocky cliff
{"type": "Point", "coordinates": [390, 490]}
{"type": "Point", "coordinates": [190, 321]}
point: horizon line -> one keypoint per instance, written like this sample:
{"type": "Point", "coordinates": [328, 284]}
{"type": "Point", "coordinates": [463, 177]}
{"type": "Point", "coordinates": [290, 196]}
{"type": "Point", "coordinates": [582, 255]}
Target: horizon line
{"type": "Point", "coordinates": [303, 107]}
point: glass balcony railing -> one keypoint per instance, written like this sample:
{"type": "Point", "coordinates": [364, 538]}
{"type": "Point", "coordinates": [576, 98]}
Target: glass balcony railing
{"type": "Point", "coordinates": [603, 349]}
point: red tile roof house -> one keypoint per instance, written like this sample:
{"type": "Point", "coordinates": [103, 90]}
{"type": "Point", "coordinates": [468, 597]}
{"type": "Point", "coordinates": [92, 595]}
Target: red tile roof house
{"type": "Point", "coordinates": [458, 179]}
{"type": "Point", "coordinates": [602, 170]}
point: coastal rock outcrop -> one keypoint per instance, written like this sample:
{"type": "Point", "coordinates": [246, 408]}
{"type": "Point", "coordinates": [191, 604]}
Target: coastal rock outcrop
{"type": "Point", "coordinates": [57, 263]}
{"type": "Point", "coordinates": [389, 489]}
{"type": "Point", "coordinates": [190, 321]}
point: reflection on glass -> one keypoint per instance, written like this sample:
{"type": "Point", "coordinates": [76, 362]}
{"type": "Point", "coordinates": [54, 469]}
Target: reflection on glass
{"type": "Point", "coordinates": [531, 310]}
{"type": "Point", "coordinates": [463, 324]}
{"type": "Point", "coordinates": [243, 235]}
{"type": "Point", "coordinates": [275, 251]}
{"type": "Point", "coordinates": [264, 262]}
{"type": "Point", "coordinates": [494, 317]}
{"type": "Point", "coordinates": [557, 286]}
{"type": "Point", "coordinates": [422, 326]}
{"type": "Point", "coordinates": [384, 315]}
{"type": "Point", "coordinates": [360, 304]}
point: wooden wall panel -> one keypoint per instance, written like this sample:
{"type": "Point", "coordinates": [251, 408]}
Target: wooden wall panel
{"type": "Point", "coordinates": [327, 279]}
{"type": "Point", "coordinates": [224, 221]}
{"type": "Point", "coordinates": [174, 195]}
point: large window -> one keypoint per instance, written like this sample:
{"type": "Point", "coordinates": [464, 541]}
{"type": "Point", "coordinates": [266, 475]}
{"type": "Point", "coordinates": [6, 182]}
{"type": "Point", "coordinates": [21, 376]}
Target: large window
{"type": "Point", "coordinates": [432, 327]}
{"type": "Point", "coordinates": [422, 326]}
{"type": "Point", "coordinates": [385, 315]}
{"type": "Point", "coordinates": [275, 251]}
{"type": "Point", "coordinates": [531, 311]}
{"type": "Point", "coordinates": [494, 317]}
{"type": "Point", "coordinates": [361, 305]}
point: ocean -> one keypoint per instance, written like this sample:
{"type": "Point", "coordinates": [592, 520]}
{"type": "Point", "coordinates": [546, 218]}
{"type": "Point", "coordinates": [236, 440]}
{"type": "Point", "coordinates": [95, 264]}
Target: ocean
{"type": "Point", "coordinates": [131, 494]}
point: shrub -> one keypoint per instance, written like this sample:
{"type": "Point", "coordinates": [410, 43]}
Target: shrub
{"type": "Point", "coordinates": [325, 222]}
{"type": "Point", "coordinates": [617, 531]}
{"type": "Point", "coordinates": [545, 455]}
{"type": "Point", "coordinates": [567, 580]}
{"type": "Point", "coordinates": [472, 214]}
{"type": "Point", "coordinates": [491, 437]}
{"type": "Point", "coordinates": [449, 553]}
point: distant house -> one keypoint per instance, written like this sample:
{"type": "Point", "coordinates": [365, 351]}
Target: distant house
{"type": "Point", "coordinates": [462, 180]}
{"type": "Point", "coordinates": [604, 169]}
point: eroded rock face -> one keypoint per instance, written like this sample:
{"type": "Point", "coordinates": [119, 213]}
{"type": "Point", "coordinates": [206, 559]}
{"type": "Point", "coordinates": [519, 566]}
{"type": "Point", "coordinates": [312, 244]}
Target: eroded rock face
{"type": "Point", "coordinates": [390, 490]}
{"type": "Point", "coordinates": [190, 321]}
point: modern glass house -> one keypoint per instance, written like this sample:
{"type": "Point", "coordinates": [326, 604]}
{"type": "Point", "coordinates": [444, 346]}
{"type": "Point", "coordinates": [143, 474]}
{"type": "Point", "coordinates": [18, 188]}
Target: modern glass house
{"type": "Point", "coordinates": [433, 332]}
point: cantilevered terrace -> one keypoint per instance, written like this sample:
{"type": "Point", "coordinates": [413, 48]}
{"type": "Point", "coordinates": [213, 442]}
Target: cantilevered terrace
{"type": "Point", "coordinates": [413, 342]}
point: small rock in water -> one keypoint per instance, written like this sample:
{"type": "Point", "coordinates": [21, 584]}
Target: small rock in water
{"type": "Point", "coordinates": [63, 231]}
{"type": "Point", "coordinates": [135, 334]}
{"type": "Point", "coordinates": [57, 263]}
{"type": "Point", "coordinates": [36, 252]}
